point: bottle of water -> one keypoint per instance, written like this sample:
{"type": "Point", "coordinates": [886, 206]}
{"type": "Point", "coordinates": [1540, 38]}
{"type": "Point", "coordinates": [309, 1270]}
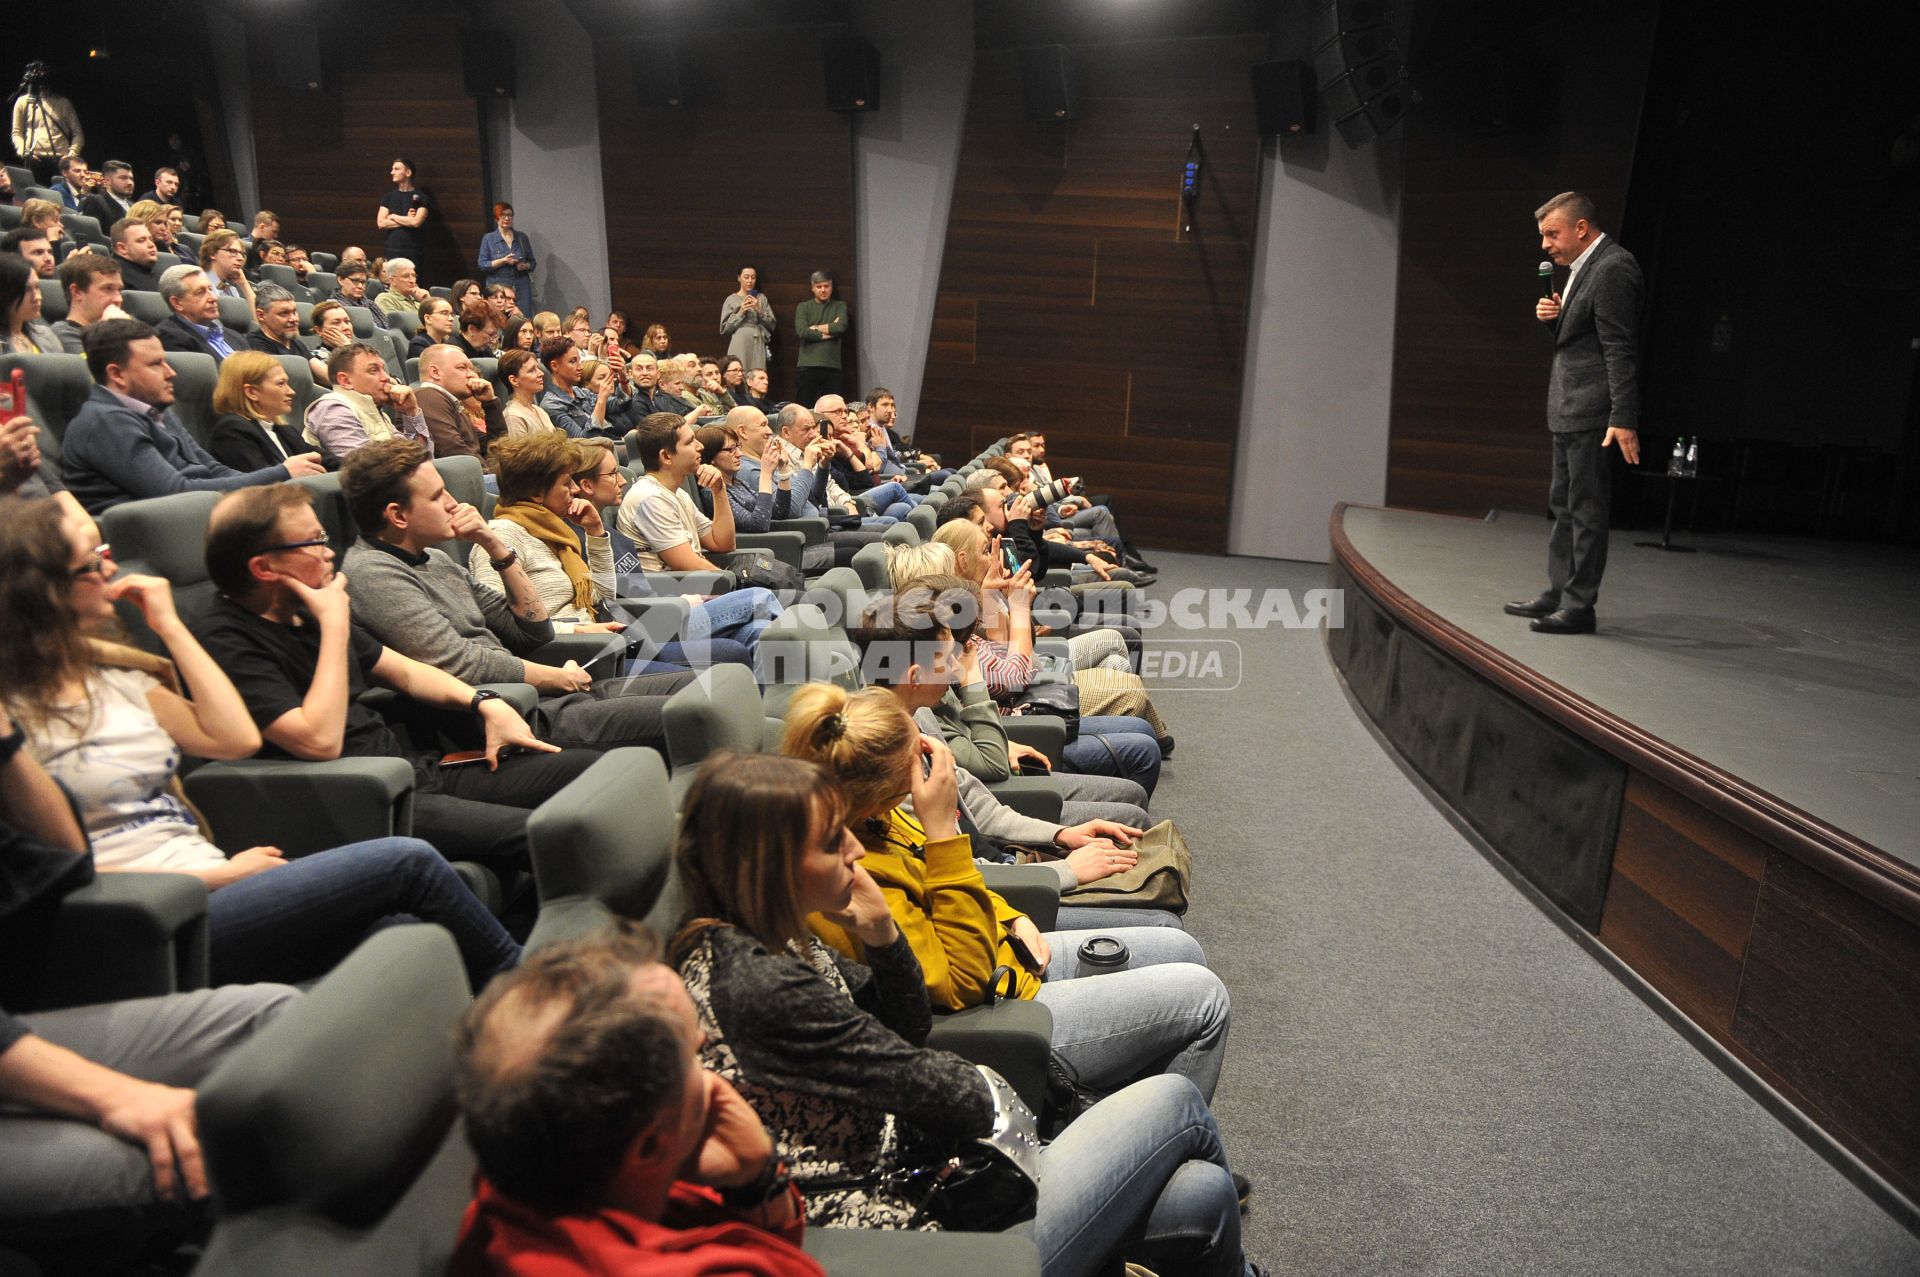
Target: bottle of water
{"type": "Point", "coordinates": [1693, 457]}
{"type": "Point", "coordinates": [1677, 463]}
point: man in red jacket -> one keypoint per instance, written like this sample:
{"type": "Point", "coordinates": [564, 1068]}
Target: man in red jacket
{"type": "Point", "coordinates": [604, 1146]}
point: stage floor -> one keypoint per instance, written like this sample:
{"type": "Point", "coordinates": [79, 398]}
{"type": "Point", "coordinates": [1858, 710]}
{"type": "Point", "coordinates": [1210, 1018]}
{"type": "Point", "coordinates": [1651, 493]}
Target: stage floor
{"type": "Point", "coordinates": [1792, 664]}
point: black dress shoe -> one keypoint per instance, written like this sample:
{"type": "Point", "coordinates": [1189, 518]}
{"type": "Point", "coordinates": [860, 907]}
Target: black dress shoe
{"type": "Point", "coordinates": [1538, 606]}
{"type": "Point", "coordinates": [1137, 563]}
{"type": "Point", "coordinates": [1564, 622]}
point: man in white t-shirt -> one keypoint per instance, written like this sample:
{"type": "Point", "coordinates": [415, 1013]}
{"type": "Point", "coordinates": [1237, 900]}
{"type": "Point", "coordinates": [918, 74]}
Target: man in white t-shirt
{"type": "Point", "coordinates": [657, 514]}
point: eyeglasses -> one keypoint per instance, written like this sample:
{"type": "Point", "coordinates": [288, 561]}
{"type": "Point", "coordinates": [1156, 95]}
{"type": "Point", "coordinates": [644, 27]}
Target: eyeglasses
{"type": "Point", "coordinates": [96, 565]}
{"type": "Point", "coordinates": [315, 544]}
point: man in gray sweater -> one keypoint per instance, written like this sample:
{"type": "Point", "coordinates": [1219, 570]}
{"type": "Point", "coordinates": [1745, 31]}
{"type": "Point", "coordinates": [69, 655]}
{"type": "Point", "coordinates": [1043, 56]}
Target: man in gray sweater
{"type": "Point", "coordinates": [417, 600]}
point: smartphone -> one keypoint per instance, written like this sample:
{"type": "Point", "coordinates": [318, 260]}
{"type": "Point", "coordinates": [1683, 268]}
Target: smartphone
{"type": "Point", "coordinates": [1013, 560]}
{"type": "Point", "coordinates": [13, 396]}
{"type": "Point", "coordinates": [463, 757]}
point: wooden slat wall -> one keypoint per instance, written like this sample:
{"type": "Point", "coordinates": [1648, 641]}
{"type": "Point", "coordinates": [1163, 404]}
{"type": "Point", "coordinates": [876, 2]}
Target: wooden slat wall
{"type": "Point", "coordinates": [1470, 361]}
{"type": "Point", "coordinates": [754, 172]}
{"type": "Point", "coordinates": [1071, 297]}
{"type": "Point", "coordinates": [323, 157]}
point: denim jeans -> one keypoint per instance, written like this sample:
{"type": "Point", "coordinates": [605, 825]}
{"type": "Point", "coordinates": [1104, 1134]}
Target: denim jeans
{"type": "Point", "coordinates": [1116, 1027]}
{"type": "Point", "coordinates": [1131, 749]}
{"type": "Point", "coordinates": [297, 921]}
{"type": "Point", "coordinates": [1142, 1173]}
{"type": "Point", "coordinates": [741, 615]}
{"type": "Point", "coordinates": [890, 499]}
{"type": "Point", "coordinates": [1107, 918]}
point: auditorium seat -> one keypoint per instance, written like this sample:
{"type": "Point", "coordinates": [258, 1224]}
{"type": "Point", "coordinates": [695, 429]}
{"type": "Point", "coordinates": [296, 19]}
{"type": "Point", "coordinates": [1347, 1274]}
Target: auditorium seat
{"type": "Point", "coordinates": [321, 282]}
{"type": "Point", "coordinates": [147, 307]}
{"type": "Point", "coordinates": [57, 388]}
{"type": "Point", "coordinates": [192, 222]}
{"type": "Point", "coordinates": [53, 301]}
{"type": "Point", "coordinates": [305, 311]}
{"type": "Point", "coordinates": [902, 533]}
{"type": "Point", "coordinates": [603, 849]}
{"type": "Point", "coordinates": [9, 216]}
{"type": "Point", "coordinates": [406, 321]}
{"type": "Point", "coordinates": [47, 193]}
{"type": "Point", "coordinates": [325, 261]}
{"type": "Point", "coordinates": [363, 322]}
{"type": "Point", "coordinates": [195, 376]}
{"type": "Point", "coordinates": [925, 518]}
{"type": "Point", "coordinates": [304, 391]}
{"type": "Point", "coordinates": [84, 229]}
{"type": "Point", "coordinates": [121, 936]}
{"type": "Point", "coordinates": [412, 367]}
{"type": "Point", "coordinates": [22, 177]}
{"type": "Point", "coordinates": [236, 316]}
{"type": "Point", "coordinates": [285, 276]}
{"type": "Point", "coordinates": [441, 291]}
{"type": "Point", "coordinates": [870, 561]}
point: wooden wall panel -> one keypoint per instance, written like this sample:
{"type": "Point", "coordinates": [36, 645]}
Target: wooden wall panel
{"type": "Point", "coordinates": [1078, 294]}
{"type": "Point", "coordinates": [323, 157]}
{"type": "Point", "coordinates": [754, 171]}
{"type": "Point", "coordinates": [1470, 362]}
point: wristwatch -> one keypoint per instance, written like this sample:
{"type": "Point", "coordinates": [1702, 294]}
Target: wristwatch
{"type": "Point", "coordinates": [501, 565]}
{"type": "Point", "coordinates": [482, 696]}
{"type": "Point", "coordinates": [772, 1181]}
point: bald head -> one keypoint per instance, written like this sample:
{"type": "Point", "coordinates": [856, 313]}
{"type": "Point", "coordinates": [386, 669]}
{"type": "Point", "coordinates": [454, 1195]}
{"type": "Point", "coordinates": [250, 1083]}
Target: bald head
{"type": "Point", "coordinates": [448, 367]}
{"type": "Point", "coordinates": [749, 425]}
{"type": "Point", "coordinates": [829, 404]}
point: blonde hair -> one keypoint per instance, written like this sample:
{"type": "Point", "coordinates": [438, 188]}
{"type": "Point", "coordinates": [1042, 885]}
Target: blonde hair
{"type": "Point", "coordinates": [908, 563]}
{"type": "Point", "coordinates": [239, 370]}
{"type": "Point", "coordinates": [546, 323]}
{"type": "Point", "coordinates": [968, 541]}
{"type": "Point", "coordinates": [866, 741]}
{"type": "Point", "coordinates": [33, 210]}
{"type": "Point", "coordinates": [147, 211]}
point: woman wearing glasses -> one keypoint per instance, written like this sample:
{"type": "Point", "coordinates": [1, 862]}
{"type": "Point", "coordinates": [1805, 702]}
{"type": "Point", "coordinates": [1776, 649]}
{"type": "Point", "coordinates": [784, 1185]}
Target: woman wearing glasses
{"type": "Point", "coordinates": [110, 723]}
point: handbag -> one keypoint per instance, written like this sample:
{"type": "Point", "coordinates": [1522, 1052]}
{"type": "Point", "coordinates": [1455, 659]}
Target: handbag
{"type": "Point", "coordinates": [771, 574]}
{"type": "Point", "coordinates": [1161, 879]}
{"type": "Point", "coordinates": [1058, 700]}
{"type": "Point", "coordinates": [993, 1182]}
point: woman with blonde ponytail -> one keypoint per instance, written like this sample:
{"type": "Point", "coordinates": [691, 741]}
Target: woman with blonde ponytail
{"type": "Point", "coordinates": [1165, 1012]}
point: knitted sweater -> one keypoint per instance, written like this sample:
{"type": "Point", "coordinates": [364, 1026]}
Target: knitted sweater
{"type": "Point", "coordinates": [550, 581]}
{"type": "Point", "coordinates": [434, 612]}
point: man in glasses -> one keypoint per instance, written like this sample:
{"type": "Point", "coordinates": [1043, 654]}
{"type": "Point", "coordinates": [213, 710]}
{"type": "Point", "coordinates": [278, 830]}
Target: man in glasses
{"type": "Point", "coordinates": [283, 630]}
{"type": "Point", "coordinates": [124, 444]}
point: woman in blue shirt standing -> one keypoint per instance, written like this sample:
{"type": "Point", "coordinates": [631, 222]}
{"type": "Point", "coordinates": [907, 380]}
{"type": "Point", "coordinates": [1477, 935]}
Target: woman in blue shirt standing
{"type": "Point", "coordinates": [506, 257]}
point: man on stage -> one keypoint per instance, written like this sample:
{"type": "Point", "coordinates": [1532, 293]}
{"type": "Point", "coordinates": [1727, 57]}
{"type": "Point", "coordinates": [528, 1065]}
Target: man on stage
{"type": "Point", "coordinates": [1593, 400]}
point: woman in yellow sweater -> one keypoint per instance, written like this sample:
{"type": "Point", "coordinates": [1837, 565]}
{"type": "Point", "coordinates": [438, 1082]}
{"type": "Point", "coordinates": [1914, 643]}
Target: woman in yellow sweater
{"type": "Point", "coordinates": [1163, 1012]}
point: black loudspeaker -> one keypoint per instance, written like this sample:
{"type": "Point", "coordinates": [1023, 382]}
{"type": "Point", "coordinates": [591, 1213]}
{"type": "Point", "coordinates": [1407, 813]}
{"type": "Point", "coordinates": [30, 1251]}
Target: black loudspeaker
{"type": "Point", "coordinates": [486, 60]}
{"type": "Point", "coordinates": [1345, 94]}
{"type": "Point", "coordinates": [1283, 98]}
{"type": "Point", "coordinates": [1329, 19]}
{"type": "Point", "coordinates": [655, 65]}
{"type": "Point", "coordinates": [297, 63]}
{"type": "Point", "coordinates": [1050, 80]}
{"type": "Point", "coordinates": [852, 67]}
{"type": "Point", "coordinates": [1381, 112]}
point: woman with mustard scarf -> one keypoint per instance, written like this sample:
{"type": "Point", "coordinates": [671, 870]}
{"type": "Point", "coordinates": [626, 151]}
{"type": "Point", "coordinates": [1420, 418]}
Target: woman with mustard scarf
{"type": "Point", "coordinates": [539, 508]}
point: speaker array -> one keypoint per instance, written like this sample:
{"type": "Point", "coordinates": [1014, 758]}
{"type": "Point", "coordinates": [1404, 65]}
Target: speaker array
{"type": "Point", "coordinates": [1363, 81]}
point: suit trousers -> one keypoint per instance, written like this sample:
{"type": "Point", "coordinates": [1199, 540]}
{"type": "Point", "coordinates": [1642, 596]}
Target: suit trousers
{"type": "Point", "coordinates": [1579, 500]}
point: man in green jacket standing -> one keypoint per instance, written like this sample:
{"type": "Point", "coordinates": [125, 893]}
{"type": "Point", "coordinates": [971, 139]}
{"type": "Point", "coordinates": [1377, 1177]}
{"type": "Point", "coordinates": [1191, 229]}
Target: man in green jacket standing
{"type": "Point", "coordinates": [820, 323]}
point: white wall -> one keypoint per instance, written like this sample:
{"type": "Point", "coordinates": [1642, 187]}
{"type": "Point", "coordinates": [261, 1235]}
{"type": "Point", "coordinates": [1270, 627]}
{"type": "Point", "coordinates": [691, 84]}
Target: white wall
{"type": "Point", "coordinates": [545, 145]}
{"type": "Point", "coordinates": [904, 159]}
{"type": "Point", "coordinates": [1317, 395]}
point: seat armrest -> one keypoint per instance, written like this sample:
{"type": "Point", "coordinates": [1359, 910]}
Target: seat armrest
{"type": "Point", "coordinates": [1037, 796]}
{"type": "Point", "coordinates": [1032, 889]}
{"type": "Point", "coordinates": [522, 696]}
{"type": "Point", "coordinates": [1053, 658]}
{"type": "Point", "coordinates": [122, 936]}
{"type": "Point", "coordinates": [599, 654]}
{"type": "Point", "coordinates": [304, 807]}
{"type": "Point", "coordinates": [700, 582]}
{"type": "Point", "coordinates": [854, 1252]}
{"type": "Point", "coordinates": [812, 531]}
{"type": "Point", "coordinates": [1044, 732]}
{"type": "Point", "coordinates": [784, 546]}
{"type": "Point", "coordinates": [1015, 1039]}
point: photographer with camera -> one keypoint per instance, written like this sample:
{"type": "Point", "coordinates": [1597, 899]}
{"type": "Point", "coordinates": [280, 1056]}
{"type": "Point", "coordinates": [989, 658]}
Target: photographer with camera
{"type": "Point", "coordinates": [46, 130]}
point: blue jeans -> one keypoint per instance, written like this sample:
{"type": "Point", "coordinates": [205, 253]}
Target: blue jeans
{"type": "Point", "coordinates": [298, 920]}
{"type": "Point", "coordinates": [1142, 1173]}
{"type": "Point", "coordinates": [1135, 752]}
{"type": "Point", "coordinates": [1119, 1026]}
{"type": "Point", "coordinates": [889, 499]}
{"type": "Point", "coordinates": [724, 630]}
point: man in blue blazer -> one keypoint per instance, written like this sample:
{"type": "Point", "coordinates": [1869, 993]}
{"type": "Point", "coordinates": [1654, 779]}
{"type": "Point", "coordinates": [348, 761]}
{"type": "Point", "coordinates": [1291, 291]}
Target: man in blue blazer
{"type": "Point", "coordinates": [1593, 402]}
{"type": "Point", "coordinates": [123, 444]}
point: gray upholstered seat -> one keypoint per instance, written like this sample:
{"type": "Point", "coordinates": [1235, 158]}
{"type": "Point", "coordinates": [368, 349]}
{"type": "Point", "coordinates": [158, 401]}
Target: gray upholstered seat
{"type": "Point", "coordinates": [195, 376]}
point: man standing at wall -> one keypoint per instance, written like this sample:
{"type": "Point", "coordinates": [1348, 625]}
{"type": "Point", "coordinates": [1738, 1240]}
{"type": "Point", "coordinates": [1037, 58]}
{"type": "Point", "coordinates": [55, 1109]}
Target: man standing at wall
{"type": "Point", "coordinates": [1593, 400]}
{"type": "Point", "coordinates": [821, 324]}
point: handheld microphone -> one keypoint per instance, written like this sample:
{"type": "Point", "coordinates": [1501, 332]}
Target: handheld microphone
{"type": "Point", "coordinates": [1546, 279]}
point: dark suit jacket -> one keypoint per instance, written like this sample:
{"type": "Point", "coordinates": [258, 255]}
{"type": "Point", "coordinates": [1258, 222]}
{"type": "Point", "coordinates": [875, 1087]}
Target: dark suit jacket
{"type": "Point", "coordinates": [1595, 382]}
{"type": "Point", "coordinates": [104, 209]}
{"type": "Point", "coordinates": [112, 454]}
{"type": "Point", "coordinates": [177, 334]}
{"type": "Point", "coordinates": [239, 442]}
{"type": "Point", "coordinates": [447, 423]}
{"type": "Point", "coordinates": [144, 278]}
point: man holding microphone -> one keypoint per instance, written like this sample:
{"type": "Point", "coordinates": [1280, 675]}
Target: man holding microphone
{"type": "Point", "coordinates": [1593, 401]}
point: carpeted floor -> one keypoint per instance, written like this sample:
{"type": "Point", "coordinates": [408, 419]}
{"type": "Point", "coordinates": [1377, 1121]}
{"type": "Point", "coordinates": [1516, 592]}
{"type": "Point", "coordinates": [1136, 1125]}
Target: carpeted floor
{"type": "Point", "coordinates": [1426, 1074]}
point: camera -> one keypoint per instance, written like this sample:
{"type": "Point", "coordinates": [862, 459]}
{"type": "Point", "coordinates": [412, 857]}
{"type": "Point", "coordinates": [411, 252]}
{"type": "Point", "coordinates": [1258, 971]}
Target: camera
{"type": "Point", "coordinates": [1058, 490]}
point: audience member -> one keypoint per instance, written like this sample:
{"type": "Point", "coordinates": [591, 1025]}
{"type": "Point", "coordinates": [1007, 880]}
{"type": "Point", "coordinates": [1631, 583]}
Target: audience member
{"type": "Point", "coordinates": [92, 284]}
{"type": "Point", "coordinates": [21, 328]}
{"type": "Point", "coordinates": [506, 257]}
{"type": "Point", "coordinates": [403, 212]}
{"type": "Point", "coordinates": [123, 444]}
{"type": "Point", "coordinates": [110, 723]}
{"type": "Point", "coordinates": [757, 391]}
{"type": "Point", "coordinates": [501, 299]}
{"type": "Point", "coordinates": [461, 409]}
{"type": "Point", "coordinates": [522, 374]}
{"type": "Point", "coordinates": [436, 326]}
{"type": "Point", "coordinates": [423, 603]}
{"type": "Point", "coordinates": [44, 216]}
{"type": "Point", "coordinates": [479, 331]}
{"type": "Point", "coordinates": [821, 324]}
{"type": "Point", "coordinates": [569, 404]}
{"type": "Point", "coordinates": [810, 450]}
{"type": "Point", "coordinates": [603, 1143]}
{"type": "Point", "coordinates": [74, 184]}
{"type": "Point", "coordinates": [857, 467]}
{"type": "Point", "coordinates": [136, 253]}
{"type": "Point", "coordinates": [194, 326]}
{"type": "Point", "coordinates": [364, 405]}
{"type": "Point", "coordinates": [224, 258]}
{"type": "Point", "coordinates": [166, 187]}
{"type": "Point", "coordinates": [828, 1054]}
{"type": "Point", "coordinates": [403, 288]}
{"type": "Point", "coordinates": [168, 250]}
{"type": "Point", "coordinates": [112, 199]}
{"type": "Point", "coordinates": [332, 331]}
{"type": "Point", "coordinates": [276, 318]}
{"type": "Point", "coordinates": [31, 245]}
{"type": "Point", "coordinates": [659, 517]}
{"type": "Point", "coordinates": [254, 398]}
{"type": "Point", "coordinates": [283, 630]}
{"type": "Point", "coordinates": [350, 289]}
{"type": "Point", "coordinates": [747, 321]}
{"type": "Point", "coordinates": [211, 220]}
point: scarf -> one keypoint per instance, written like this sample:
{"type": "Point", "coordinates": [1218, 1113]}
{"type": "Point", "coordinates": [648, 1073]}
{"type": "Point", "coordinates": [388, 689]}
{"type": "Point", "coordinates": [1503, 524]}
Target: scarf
{"type": "Point", "coordinates": [372, 420]}
{"type": "Point", "coordinates": [558, 535]}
